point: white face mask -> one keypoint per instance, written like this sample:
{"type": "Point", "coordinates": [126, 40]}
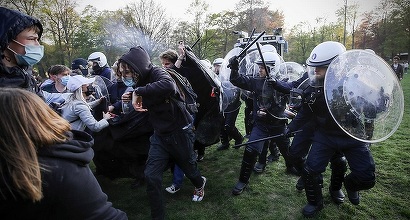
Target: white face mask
{"type": "Point", "coordinates": [33, 54]}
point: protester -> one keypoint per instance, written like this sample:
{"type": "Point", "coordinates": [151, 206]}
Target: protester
{"type": "Point", "coordinates": [168, 59]}
{"type": "Point", "coordinates": [173, 138]}
{"type": "Point", "coordinates": [19, 49]}
{"type": "Point", "coordinates": [58, 75]}
{"type": "Point", "coordinates": [77, 111]}
{"type": "Point", "coordinates": [45, 165]}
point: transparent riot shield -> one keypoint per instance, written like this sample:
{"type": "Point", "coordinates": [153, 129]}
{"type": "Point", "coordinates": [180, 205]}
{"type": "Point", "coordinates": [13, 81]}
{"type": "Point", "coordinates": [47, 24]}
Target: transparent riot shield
{"type": "Point", "coordinates": [100, 86]}
{"type": "Point", "coordinates": [364, 96]}
{"type": "Point", "coordinates": [224, 71]}
{"type": "Point", "coordinates": [293, 70]}
{"type": "Point", "coordinates": [230, 95]}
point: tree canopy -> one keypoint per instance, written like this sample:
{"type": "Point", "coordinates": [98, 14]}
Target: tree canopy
{"type": "Point", "coordinates": [69, 33]}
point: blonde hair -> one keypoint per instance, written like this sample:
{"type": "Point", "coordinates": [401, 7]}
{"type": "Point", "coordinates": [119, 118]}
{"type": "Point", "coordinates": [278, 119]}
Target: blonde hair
{"type": "Point", "coordinates": [77, 95]}
{"type": "Point", "coordinates": [27, 124]}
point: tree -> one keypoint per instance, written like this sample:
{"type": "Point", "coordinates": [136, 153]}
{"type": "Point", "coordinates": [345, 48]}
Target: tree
{"type": "Point", "coordinates": [142, 23]}
{"type": "Point", "coordinates": [348, 12]}
{"type": "Point", "coordinates": [61, 22]}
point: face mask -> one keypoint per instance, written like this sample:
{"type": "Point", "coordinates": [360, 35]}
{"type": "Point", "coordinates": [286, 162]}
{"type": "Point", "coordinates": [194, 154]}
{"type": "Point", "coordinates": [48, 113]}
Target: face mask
{"type": "Point", "coordinates": [33, 54]}
{"type": "Point", "coordinates": [128, 81]}
{"type": "Point", "coordinates": [64, 80]}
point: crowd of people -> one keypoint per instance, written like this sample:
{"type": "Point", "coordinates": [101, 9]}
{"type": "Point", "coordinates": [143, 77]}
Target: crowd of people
{"type": "Point", "coordinates": [51, 131]}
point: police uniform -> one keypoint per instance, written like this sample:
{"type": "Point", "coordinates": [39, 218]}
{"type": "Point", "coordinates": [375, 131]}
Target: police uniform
{"type": "Point", "coordinates": [328, 138]}
{"type": "Point", "coordinates": [265, 124]}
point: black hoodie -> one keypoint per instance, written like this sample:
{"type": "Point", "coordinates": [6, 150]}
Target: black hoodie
{"type": "Point", "coordinates": [13, 22]}
{"type": "Point", "coordinates": [69, 187]}
{"type": "Point", "coordinates": [156, 87]}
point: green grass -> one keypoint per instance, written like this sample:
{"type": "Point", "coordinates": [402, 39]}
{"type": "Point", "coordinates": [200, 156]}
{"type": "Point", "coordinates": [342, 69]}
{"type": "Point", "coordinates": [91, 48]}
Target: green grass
{"type": "Point", "coordinates": [272, 195]}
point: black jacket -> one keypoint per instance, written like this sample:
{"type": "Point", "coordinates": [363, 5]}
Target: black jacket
{"type": "Point", "coordinates": [69, 187]}
{"type": "Point", "coordinates": [156, 87]}
{"type": "Point", "coordinates": [255, 85]}
{"type": "Point", "coordinates": [399, 70]}
{"type": "Point", "coordinates": [115, 91]}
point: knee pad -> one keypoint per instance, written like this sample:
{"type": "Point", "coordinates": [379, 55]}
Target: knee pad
{"type": "Point", "coordinates": [338, 164]}
{"type": "Point", "coordinates": [356, 184]}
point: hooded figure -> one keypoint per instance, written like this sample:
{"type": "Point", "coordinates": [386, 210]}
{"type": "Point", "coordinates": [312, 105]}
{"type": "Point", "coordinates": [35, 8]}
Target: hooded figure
{"type": "Point", "coordinates": [156, 87]}
{"type": "Point", "coordinates": [15, 68]}
{"type": "Point", "coordinates": [173, 136]}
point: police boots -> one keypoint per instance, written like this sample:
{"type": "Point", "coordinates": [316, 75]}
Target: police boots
{"type": "Point", "coordinates": [313, 190]}
{"type": "Point", "coordinates": [339, 168]}
{"type": "Point", "coordinates": [224, 140]}
{"type": "Point", "coordinates": [237, 136]}
{"type": "Point", "coordinates": [274, 152]}
{"type": "Point", "coordinates": [261, 164]}
{"type": "Point", "coordinates": [248, 161]}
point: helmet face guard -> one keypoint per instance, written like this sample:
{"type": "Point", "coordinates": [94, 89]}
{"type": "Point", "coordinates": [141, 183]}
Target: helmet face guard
{"type": "Point", "coordinates": [314, 79]}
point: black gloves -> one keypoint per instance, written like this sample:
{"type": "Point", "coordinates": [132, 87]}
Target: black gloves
{"type": "Point", "coordinates": [287, 133]}
{"type": "Point", "coordinates": [271, 80]}
{"type": "Point", "coordinates": [233, 63]}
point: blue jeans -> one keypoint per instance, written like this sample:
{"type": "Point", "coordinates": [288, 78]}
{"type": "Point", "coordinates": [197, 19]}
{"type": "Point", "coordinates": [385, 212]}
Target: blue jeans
{"type": "Point", "coordinates": [177, 146]}
{"type": "Point", "coordinates": [178, 176]}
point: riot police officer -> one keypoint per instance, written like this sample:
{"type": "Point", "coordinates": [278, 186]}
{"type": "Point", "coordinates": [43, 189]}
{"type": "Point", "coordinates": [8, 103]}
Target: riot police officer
{"type": "Point", "coordinates": [328, 137]}
{"type": "Point", "coordinates": [265, 122]}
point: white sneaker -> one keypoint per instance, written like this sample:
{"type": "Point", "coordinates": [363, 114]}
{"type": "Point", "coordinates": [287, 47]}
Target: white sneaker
{"type": "Point", "coordinates": [172, 189]}
{"type": "Point", "coordinates": [199, 193]}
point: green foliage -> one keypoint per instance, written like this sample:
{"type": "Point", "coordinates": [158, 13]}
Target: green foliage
{"type": "Point", "coordinates": [272, 194]}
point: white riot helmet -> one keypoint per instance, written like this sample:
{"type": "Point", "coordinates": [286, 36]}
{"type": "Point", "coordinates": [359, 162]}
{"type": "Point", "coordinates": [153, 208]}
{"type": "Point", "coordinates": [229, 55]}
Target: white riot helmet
{"type": "Point", "coordinates": [320, 57]}
{"type": "Point", "coordinates": [218, 61]}
{"type": "Point", "coordinates": [272, 61]}
{"type": "Point", "coordinates": [268, 48]}
{"type": "Point", "coordinates": [324, 53]}
{"type": "Point", "coordinates": [98, 58]}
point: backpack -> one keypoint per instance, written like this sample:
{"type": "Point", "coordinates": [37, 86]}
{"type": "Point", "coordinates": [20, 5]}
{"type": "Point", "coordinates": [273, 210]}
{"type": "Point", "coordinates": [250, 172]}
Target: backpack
{"type": "Point", "coordinates": [188, 94]}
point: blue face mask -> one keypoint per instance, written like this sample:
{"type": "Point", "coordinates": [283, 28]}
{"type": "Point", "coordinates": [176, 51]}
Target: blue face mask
{"type": "Point", "coordinates": [33, 54]}
{"type": "Point", "coordinates": [64, 80]}
{"type": "Point", "coordinates": [128, 81]}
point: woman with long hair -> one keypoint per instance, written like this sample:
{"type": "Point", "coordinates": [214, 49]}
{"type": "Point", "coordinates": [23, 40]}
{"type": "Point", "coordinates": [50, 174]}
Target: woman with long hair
{"type": "Point", "coordinates": [45, 170]}
{"type": "Point", "coordinates": [77, 110]}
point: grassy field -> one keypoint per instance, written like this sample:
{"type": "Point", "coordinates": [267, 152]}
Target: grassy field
{"type": "Point", "coordinates": [272, 194]}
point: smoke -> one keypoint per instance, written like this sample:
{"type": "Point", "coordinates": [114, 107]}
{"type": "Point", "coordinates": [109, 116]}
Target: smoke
{"type": "Point", "coordinates": [124, 37]}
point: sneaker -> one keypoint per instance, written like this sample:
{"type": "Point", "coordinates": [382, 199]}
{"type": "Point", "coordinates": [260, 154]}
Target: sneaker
{"type": "Point", "coordinates": [172, 189]}
{"type": "Point", "coordinates": [199, 193]}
